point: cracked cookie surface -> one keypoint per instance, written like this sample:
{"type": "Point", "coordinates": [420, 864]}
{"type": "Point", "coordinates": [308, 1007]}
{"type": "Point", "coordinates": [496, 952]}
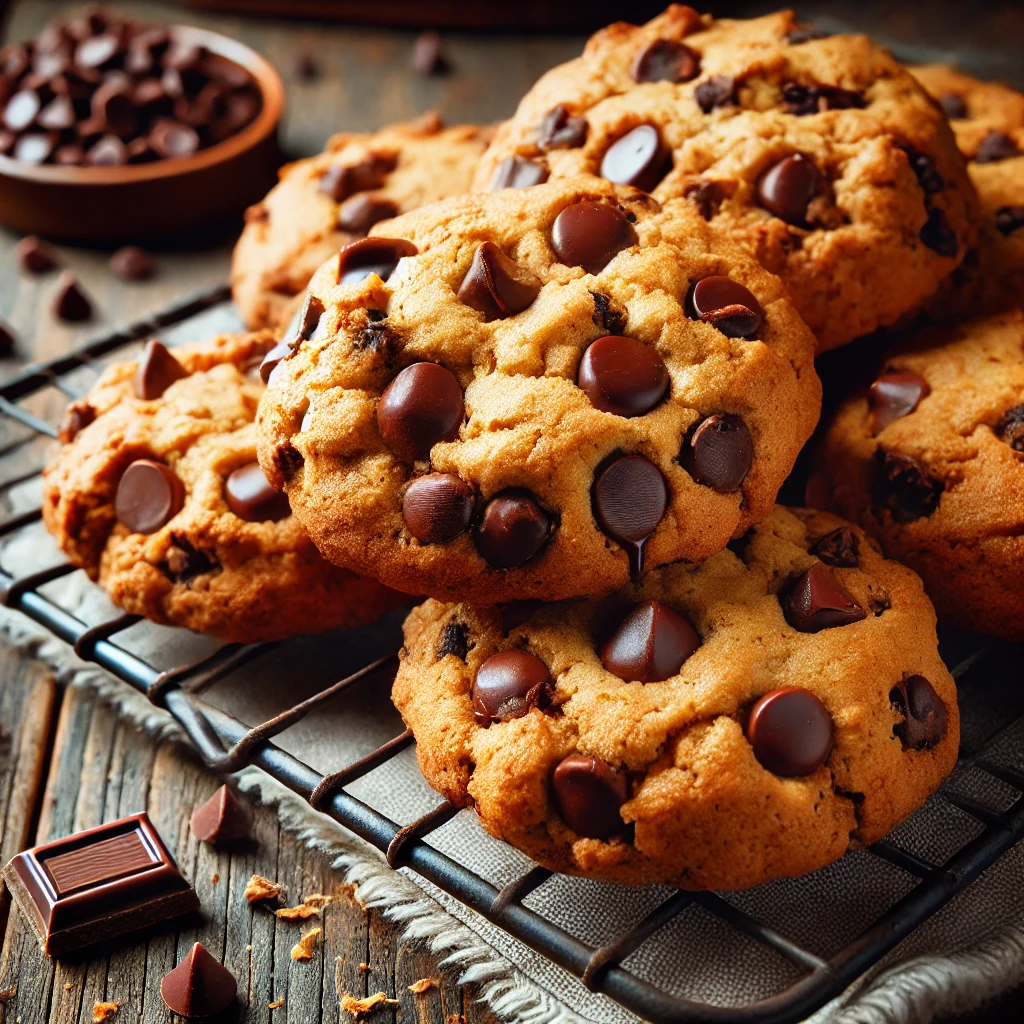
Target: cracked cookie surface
{"type": "Point", "coordinates": [210, 546]}
{"type": "Point", "coordinates": [863, 226]}
{"type": "Point", "coordinates": [555, 387]}
{"type": "Point", "coordinates": [931, 462]}
{"type": "Point", "coordinates": [795, 707]}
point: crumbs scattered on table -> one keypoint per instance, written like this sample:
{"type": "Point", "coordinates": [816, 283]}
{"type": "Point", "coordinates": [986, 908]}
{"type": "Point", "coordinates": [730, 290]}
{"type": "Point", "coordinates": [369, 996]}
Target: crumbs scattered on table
{"type": "Point", "coordinates": [214, 878]}
{"type": "Point", "coordinates": [423, 985]}
{"type": "Point", "coordinates": [303, 949]}
{"type": "Point", "coordinates": [362, 1008]}
{"type": "Point", "coordinates": [7, 994]}
{"type": "Point", "coordinates": [276, 1004]}
{"type": "Point", "coordinates": [103, 1011]}
{"type": "Point", "coordinates": [260, 888]}
{"type": "Point", "coordinates": [309, 907]}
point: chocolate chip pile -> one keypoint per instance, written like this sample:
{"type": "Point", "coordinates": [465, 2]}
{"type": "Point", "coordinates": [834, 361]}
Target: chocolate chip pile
{"type": "Point", "coordinates": [99, 89]}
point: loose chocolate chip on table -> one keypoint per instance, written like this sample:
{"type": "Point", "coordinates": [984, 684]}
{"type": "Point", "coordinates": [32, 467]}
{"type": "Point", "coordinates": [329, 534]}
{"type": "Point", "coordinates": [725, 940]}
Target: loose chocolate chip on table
{"type": "Point", "coordinates": [894, 394]}
{"type": "Point", "coordinates": [588, 234]}
{"type": "Point", "coordinates": [199, 986]}
{"type": "Point", "coordinates": [639, 158]}
{"type": "Point", "coordinates": [629, 499]}
{"type": "Point", "coordinates": [719, 452]}
{"type": "Point", "coordinates": [996, 146]}
{"type": "Point", "coordinates": [561, 130]}
{"type": "Point", "coordinates": [510, 685]}
{"type": "Point", "coordinates": [512, 530]}
{"type": "Point", "coordinates": [589, 793]}
{"type": "Point", "coordinates": [370, 173]}
{"type": "Point", "coordinates": [1011, 428]}
{"type": "Point", "coordinates": [306, 67]}
{"type": "Point", "coordinates": [817, 600]}
{"type": "Point", "coordinates": [221, 819]}
{"type": "Point", "coordinates": [608, 319]}
{"type": "Point", "coordinates": [360, 212]}
{"type": "Point", "coordinates": [35, 256]}
{"type": "Point", "coordinates": [727, 305]}
{"type": "Point", "coordinates": [380, 256]}
{"type": "Point", "coordinates": [717, 91]}
{"type": "Point", "coordinates": [149, 496]}
{"type": "Point", "coordinates": [814, 99]}
{"type": "Point", "coordinates": [790, 731]}
{"type": "Point", "coordinates": [623, 376]}
{"type": "Point", "coordinates": [70, 303]}
{"type": "Point", "coordinates": [422, 406]}
{"type": "Point", "coordinates": [453, 641]}
{"type": "Point", "coordinates": [518, 172]}
{"type": "Point", "coordinates": [6, 341]}
{"type": "Point", "coordinates": [437, 507]}
{"type": "Point", "coordinates": [132, 263]}
{"type": "Point", "coordinates": [924, 714]}
{"type": "Point", "coordinates": [497, 286]}
{"type": "Point", "coordinates": [156, 372]}
{"type": "Point", "coordinates": [650, 644]}
{"type": "Point", "coordinates": [787, 188]}
{"type": "Point", "coordinates": [904, 486]}
{"type": "Point", "coordinates": [427, 54]}
{"type": "Point", "coordinates": [665, 60]}
{"type": "Point", "coordinates": [938, 235]}
{"type": "Point", "coordinates": [250, 496]}
{"type": "Point", "coordinates": [707, 195]}
{"type": "Point", "coordinates": [838, 548]}
{"type": "Point", "coordinates": [1009, 219]}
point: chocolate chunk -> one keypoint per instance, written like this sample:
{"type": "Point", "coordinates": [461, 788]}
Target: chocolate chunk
{"type": "Point", "coordinates": [589, 793]}
{"type": "Point", "coordinates": [924, 715]}
{"type": "Point", "coordinates": [954, 106]}
{"type": "Point", "coordinates": [199, 986]}
{"type": "Point", "coordinates": [98, 884]}
{"type": "Point", "coordinates": [35, 256]}
{"type": "Point", "coordinates": [512, 530]}
{"type": "Point", "coordinates": [708, 196]}
{"type": "Point", "coordinates": [639, 158]}
{"type": "Point", "coordinates": [497, 286]}
{"type": "Point", "coordinates": [719, 452]}
{"type": "Point", "coordinates": [815, 99]}
{"type": "Point", "coordinates": [787, 188]}
{"type": "Point", "coordinates": [817, 600]}
{"type": "Point", "coordinates": [21, 110]}
{"type": "Point", "coordinates": [518, 172]}
{"type": "Point", "coordinates": [790, 731]}
{"type": "Point", "coordinates": [509, 685]}
{"type": "Point", "coordinates": [156, 372]}
{"type": "Point", "coordinates": [927, 174]}
{"type": "Point", "coordinates": [1011, 428]}
{"type": "Point", "coordinates": [1009, 219]}
{"type": "Point", "coordinates": [437, 508]}
{"type": "Point", "coordinates": [726, 305]}
{"type": "Point", "coordinates": [938, 235]}
{"type": "Point", "coordinates": [427, 54]}
{"type": "Point", "coordinates": [358, 260]}
{"type": "Point", "coordinates": [221, 819]}
{"type": "Point", "coordinates": [665, 60]}
{"type": "Point", "coordinates": [132, 263]}
{"type": "Point", "coordinates": [249, 495]}
{"type": "Point", "coordinates": [588, 234]}
{"type": "Point", "coordinates": [838, 548]}
{"type": "Point", "coordinates": [629, 500]}
{"type": "Point", "coordinates": [303, 325]}
{"type": "Point", "coordinates": [606, 318]}
{"type": "Point", "coordinates": [904, 486]}
{"type": "Point", "coordinates": [149, 496]}
{"type": "Point", "coordinates": [76, 419]}
{"type": "Point", "coordinates": [717, 91]}
{"type": "Point", "coordinates": [994, 147]}
{"type": "Point", "coordinates": [894, 394]}
{"type": "Point", "coordinates": [184, 561]}
{"type": "Point", "coordinates": [70, 303]}
{"type": "Point", "coordinates": [453, 641]}
{"type": "Point", "coordinates": [561, 130]}
{"type": "Point", "coordinates": [372, 172]}
{"type": "Point", "coordinates": [360, 212]}
{"type": "Point", "coordinates": [623, 376]}
{"type": "Point", "coordinates": [421, 407]}
{"type": "Point", "coordinates": [170, 138]}
{"type": "Point", "coordinates": [281, 351]}
{"type": "Point", "coordinates": [805, 34]}
{"type": "Point", "coordinates": [650, 644]}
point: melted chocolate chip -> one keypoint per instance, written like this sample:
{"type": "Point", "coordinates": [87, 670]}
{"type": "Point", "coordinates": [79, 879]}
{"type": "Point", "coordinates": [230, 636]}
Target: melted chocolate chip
{"type": "Point", "coordinates": [650, 644]}
{"type": "Point", "coordinates": [954, 106]}
{"type": "Point", "coordinates": [421, 407]}
{"type": "Point", "coordinates": [717, 91]}
{"type": "Point", "coordinates": [518, 172]}
{"type": "Point", "coordinates": [512, 530]}
{"type": "Point", "coordinates": [896, 393]}
{"type": "Point", "coordinates": [76, 419]}
{"type": "Point", "coordinates": [838, 548]}
{"type": "Point", "coordinates": [496, 285]}
{"type": "Point", "coordinates": [787, 188]}
{"type": "Point", "coordinates": [629, 499]}
{"type": "Point", "coordinates": [149, 495]}
{"type": "Point", "coordinates": [639, 158]}
{"type": "Point", "coordinates": [790, 731]}
{"type": "Point", "coordinates": [923, 166]}
{"type": "Point", "coordinates": [623, 376]}
{"type": "Point", "coordinates": [453, 641]}
{"type": "Point", "coordinates": [726, 305]}
{"type": "Point", "coordinates": [561, 130]}
{"type": "Point", "coordinates": [588, 234]}
{"type": "Point", "coordinates": [184, 561]}
{"type": "Point", "coordinates": [719, 452]}
{"type": "Point", "coordinates": [510, 685]}
{"type": "Point", "coordinates": [817, 600]}
{"type": "Point", "coordinates": [994, 147]}
{"type": "Point", "coordinates": [341, 182]}
{"type": "Point", "coordinates": [938, 235]}
{"type": "Point", "coordinates": [904, 486]}
{"type": "Point", "coordinates": [665, 60]}
{"type": "Point", "coordinates": [606, 318]}
{"type": "Point", "coordinates": [1009, 219]}
{"type": "Point", "coordinates": [249, 495]}
{"type": "Point", "coordinates": [156, 372]}
{"type": "Point", "coordinates": [300, 329]}
{"type": "Point", "coordinates": [815, 99]}
{"type": "Point", "coordinates": [380, 256]}
{"type": "Point", "coordinates": [589, 793]}
{"type": "Point", "coordinates": [1011, 428]}
{"type": "Point", "coordinates": [360, 212]}
{"type": "Point", "coordinates": [924, 715]}
{"type": "Point", "coordinates": [437, 508]}
{"type": "Point", "coordinates": [707, 195]}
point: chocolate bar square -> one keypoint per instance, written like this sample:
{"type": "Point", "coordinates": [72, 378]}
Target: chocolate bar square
{"type": "Point", "coordinates": [98, 884]}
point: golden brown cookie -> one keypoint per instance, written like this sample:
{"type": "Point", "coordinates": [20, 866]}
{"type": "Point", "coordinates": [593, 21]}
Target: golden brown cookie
{"type": "Point", "coordinates": [930, 461]}
{"type": "Point", "coordinates": [714, 728]}
{"type": "Point", "coordinates": [822, 156]}
{"type": "Point", "coordinates": [157, 495]}
{"type": "Point", "coordinates": [552, 388]}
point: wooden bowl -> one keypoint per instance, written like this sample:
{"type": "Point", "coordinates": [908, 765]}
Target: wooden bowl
{"type": "Point", "coordinates": [144, 202]}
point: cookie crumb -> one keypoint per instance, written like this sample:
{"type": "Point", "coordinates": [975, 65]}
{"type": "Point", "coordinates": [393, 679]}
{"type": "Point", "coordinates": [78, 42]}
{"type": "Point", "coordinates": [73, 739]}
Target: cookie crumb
{"type": "Point", "coordinates": [276, 1004]}
{"type": "Point", "coordinates": [103, 1011]}
{"type": "Point", "coordinates": [309, 907]}
{"type": "Point", "coordinates": [68, 986]}
{"type": "Point", "coordinates": [364, 967]}
{"type": "Point", "coordinates": [214, 878]}
{"type": "Point", "coordinates": [303, 949]}
{"type": "Point", "coordinates": [260, 888]}
{"type": "Point", "coordinates": [423, 985]}
{"type": "Point", "coordinates": [7, 994]}
{"type": "Point", "coordinates": [362, 1008]}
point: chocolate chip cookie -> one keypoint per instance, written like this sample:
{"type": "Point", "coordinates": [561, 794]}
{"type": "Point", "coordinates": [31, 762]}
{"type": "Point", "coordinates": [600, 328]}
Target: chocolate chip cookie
{"type": "Point", "coordinates": [536, 393]}
{"type": "Point", "coordinates": [930, 460]}
{"type": "Point", "coordinates": [157, 494]}
{"type": "Point", "coordinates": [713, 728]}
{"type": "Point", "coordinates": [822, 156]}
{"type": "Point", "coordinates": [333, 198]}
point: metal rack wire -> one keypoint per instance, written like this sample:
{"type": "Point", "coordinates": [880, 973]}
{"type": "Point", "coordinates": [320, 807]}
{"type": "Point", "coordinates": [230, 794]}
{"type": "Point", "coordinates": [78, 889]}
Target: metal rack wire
{"type": "Point", "coordinates": [226, 745]}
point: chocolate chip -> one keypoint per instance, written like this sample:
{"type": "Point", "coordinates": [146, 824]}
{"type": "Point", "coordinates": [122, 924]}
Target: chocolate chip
{"type": "Point", "coordinates": [281, 351]}
{"type": "Point", "coordinates": [109, 151]}
{"type": "Point", "coordinates": [306, 67]}
{"type": "Point", "coordinates": [360, 212]}
{"type": "Point", "coordinates": [561, 130]}
{"type": "Point", "coordinates": [221, 819]}
{"type": "Point", "coordinates": [149, 496]}
{"type": "Point", "coordinates": [708, 196]}
{"type": "Point", "coordinates": [589, 793]}
{"type": "Point", "coordinates": [437, 508]}
{"type": "Point", "coordinates": [303, 325]}
{"type": "Point", "coordinates": [817, 600]}
{"type": "Point", "coordinates": [170, 138]}
{"type": "Point", "coordinates": [199, 986]}
{"type": "Point", "coordinates": [372, 172]}
{"type": "Point", "coordinates": [924, 715]}
{"type": "Point", "coordinates": [97, 51]}
{"type": "Point", "coordinates": [717, 91]}
{"type": "Point", "coordinates": [805, 34]}
{"type": "Point", "coordinates": [953, 105]}
{"type": "Point", "coordinates": [156, 372]}
{"type": "Point", "coordinates": [650, 644]}
{"type": "Point", "coordinates": [249, 495]}
{"type": "Point", "coordinates": [996, 146]}
{"type": "Point", "coordinates": [894, 394]}
{"type": "Point", "coordinates": [1011, 428]}
{"type": "Point", "coordinates": [497, 286]}
{"type": "Point", "coordinates": [113, 106]}
{"type": "Point", "coordinates": [35, 148]}
{"type": "Point", "coordinates": [288, 459]}
{"type": "Point", "coordinates": [938, 235]}
{"type": "Point", "coordinates": [629, 500]}
{"type": "Point", "coordinates": [787, 188]}
{"type": "Point", "coordinates": [509, 685]}
{"type": "Point", "coordinates": [518, 172]}
{"type": "Point", "coordinates": [790, 731]}
{"type": "Point", "coordinates": [927, 174]}
{"type": "Point", "coordinates": [512, 530]}
{"type": "Point", "coordinates": [815, 99]}
{"type": "Point", "coordinates": [376, 335]}
{"type": "Point", "coordinates": [132, 263]}
{"type": "Point", "coordinates": [639, 158]}
{"type": "Point", "coordinates": [70, 155]}
{"type": "Point", "coordinates": [665, 60]}
{"type": "Point", "coordinates": [838, 548]}
{"type": "Point", "coordinates": [904, 486]}
{"type": "Point", "coordinates": [35, 256]}
{"type": "Point", "coordinates": [76, 419]}
{"type": "Point", "coordinates": [719, 452]}
{"type": "Point", "coordinates": [588, 234]}
{"type": "Point", "coordinates": [380, 256]}
{"type": "Point", "coordinates": [726, 305]}
{"type": "Point", "coordinates": [453, 641]}
{"type": "Point", "coordinates": [623, 376]}
{"type": "Point", "coordinates": [58, 115]}
{"type": "Point", "coordinates": [421, 407]}
{"type": "Point", "coordinates": [70, 303]}
{"type": "Point", "coordinates": [21, 110]}
{"type": "Point", "coordinates": [1009, 219]}
{"type": "Point", "coordinates": [606, 318]}
{"type": "Point", "coordinates": [428, 55]}
{"type": "Point", "coordinates": [184, 561]}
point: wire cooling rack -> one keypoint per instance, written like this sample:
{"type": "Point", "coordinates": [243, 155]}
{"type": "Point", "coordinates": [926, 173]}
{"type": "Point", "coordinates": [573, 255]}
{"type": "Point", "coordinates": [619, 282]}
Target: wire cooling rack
{"type": "Point", "coordinates": [227, 745]}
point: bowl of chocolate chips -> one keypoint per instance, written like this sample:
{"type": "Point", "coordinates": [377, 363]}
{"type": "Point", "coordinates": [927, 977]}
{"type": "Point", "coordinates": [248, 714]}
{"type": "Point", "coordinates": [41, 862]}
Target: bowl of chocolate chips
{"type": "Point", "coordinates": [113, 130]}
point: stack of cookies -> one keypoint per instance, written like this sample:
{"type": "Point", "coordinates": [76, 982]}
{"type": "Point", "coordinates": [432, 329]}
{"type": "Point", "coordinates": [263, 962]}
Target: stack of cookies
{"type": "Point", "coordinates": [552, 378]}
